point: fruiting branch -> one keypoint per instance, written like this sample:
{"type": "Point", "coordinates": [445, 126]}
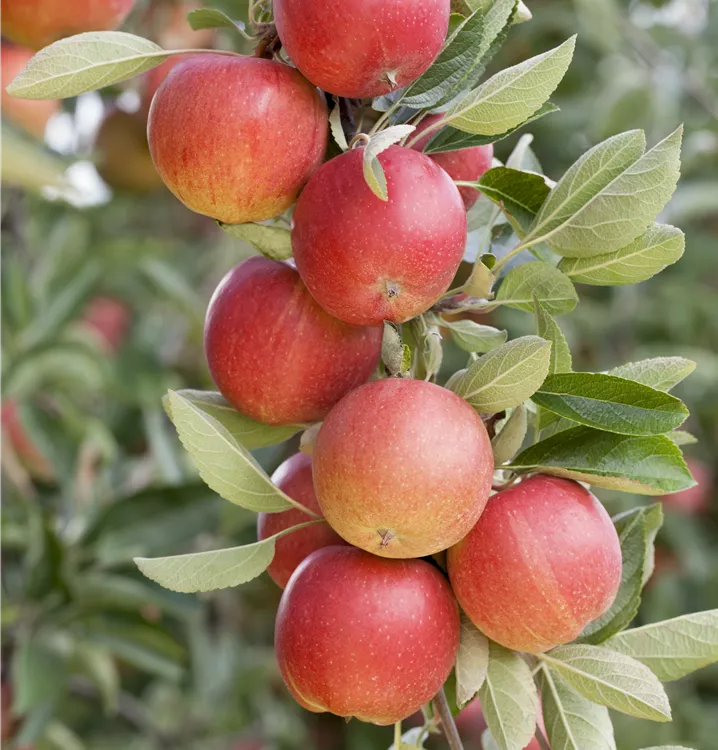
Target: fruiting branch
{"type": "Point", "coordinates": [448, 725]}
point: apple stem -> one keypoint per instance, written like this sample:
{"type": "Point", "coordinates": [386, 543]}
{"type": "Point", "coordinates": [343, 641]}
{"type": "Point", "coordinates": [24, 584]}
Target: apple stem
{"type": "Point", "coordinates": [543, 742]}
{"type": "Point", "coordinates": [397, 735]}
{"type": "Point", "coordinates": [448, 725]}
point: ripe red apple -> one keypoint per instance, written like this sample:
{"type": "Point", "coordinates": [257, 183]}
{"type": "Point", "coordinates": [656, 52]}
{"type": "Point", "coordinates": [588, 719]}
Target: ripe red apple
{"type": "Point", "coordinates": [402, 468]}
{"type": "Point", "coordinates": [173, 29]}
{"type": "Point", "coordinates": [366, 260]}
{"type": "Point", "coordinates": [236, 138]}
{"type": "Point", "coordinates": [294, 477]}
{"type": "Point", "coordinates": [370, 48]}
{"type": "Point", "coordinates": [542, 562]}
{"type": "Point", "coordinates": [108, 319]}
{"type": "Point", "coordinates": [152, 80]}
{"type": "Point", "coordinates": [695, 499]}
{"type": "Point", "coordinates": [362, 636]}
{"type": "Point", "coordinates": [274, 353]}
{"type": "Point", "coordinates": [37, 23]}
{"type": "Point", "coordinates": [32, 115]}
{"type": "Point", "coordinates": [466, 165]}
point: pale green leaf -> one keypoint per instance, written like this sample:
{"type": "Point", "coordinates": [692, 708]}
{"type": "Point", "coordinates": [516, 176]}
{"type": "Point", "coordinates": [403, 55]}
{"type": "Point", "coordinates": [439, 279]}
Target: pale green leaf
{"type": "Point", "coordinates": [392, 350]}
{"type": "Point", "coordinates": [519, 193]}
{"type": "Point", "coordinates": [661, 373]}
{"type": "Point", "coordinates": [272, 242]}
{"type": "Point", "coordinates": [474, 337]}
{"type": "Point", "coordinates": [335, 124]}
{"type": "Point", "coordinates": [509, 440]}
{"type": "Point", "coordinates": [681, 437]}
{"type": "Point", "coordinates": [548, 328]}
{"type": "Point", "coordinates": [212, 18]}
{"type": "Point", "coordinates": [101, 668]}
{"type": "Point", "coordinates": [480, 282]}
{"type": "Point", "coordinates": [472, 661]}
{"type": "Point", "coordinates": [373, 171]}
{"type": "Point", "coordinates": [27, 164]}
{"type": "Point", "coordinates": [668, 747]}
{"type": "Point", "coordinates": [537, 280]}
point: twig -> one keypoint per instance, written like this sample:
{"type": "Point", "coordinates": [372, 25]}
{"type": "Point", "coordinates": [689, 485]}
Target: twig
{"type": "Point", "coordinates": [448, 725]}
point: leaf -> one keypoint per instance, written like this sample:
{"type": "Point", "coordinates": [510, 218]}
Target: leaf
{"type": "Point", "coordinates": [102, 669]}
{"type": "Point", "coordinates": [643, 465]}
{"type": "Point", "coordinates": [509, 699]}
{"type": "Point", "coordinates": [335, 124]}
{"type": "Point", "coordinates": [373, 172]}
{"type": "Point", "coordinates": [512, 95]}
{"type": "Point", "coordinates": [519, 193]}
{"type": "Point", "coordinates": [610, 679]}
{"type": "Point", "coordinates": [681, 437]}
{"type": "Point", "coordinates": [392, 350]}
{"type": "Point", "coordinates": [661, 373]}
{"type": "Point", "coordinates": [609, 403]}
{"type": "Point", "coordinates": [547, 328]}
{"type": "Point", "coordinates": [472, 661]}
{"type": "Point", "coordinates": [537, 280]}
{"type": "Point", "coordinates": [27, 164]}
{"type": "Point", "coordinates": [474, 337]}
{"type": "Point", "coordinates": [272, 242]}
{"type": "Point", "coordinates": [412, 739]}
{"type": "Point", "coordinates": [211, 18]}
{"type": "Point", "coordinates": [217, 569]}
{"type": "Point", "coordinates": [39, 674]}
{"type": "Point", "coordinates": [508, 442]}
{"type": "Point", "coordinates": [506, 376]}
{"type": "Point", "coordinates": [224, 464]}
{"type": "Point", "coordinates": [243, 429]}
{"type": "Point", "coordinates": [672, 648]}
{"type": "Point", "coordinates": [572, 722]}
{"type": "Point", "coordinates": [481, 281]}
{"type": "Point", "coordinates": [610, 196]}
{"type": "Point", "coordinates": [86, 62]}
{"type": "Point", "coordinates": [643, 258]}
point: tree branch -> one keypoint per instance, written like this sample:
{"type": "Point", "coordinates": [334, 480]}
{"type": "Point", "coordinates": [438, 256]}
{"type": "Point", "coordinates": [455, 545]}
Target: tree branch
{"type": "Point", "coordinates": [448, 726]}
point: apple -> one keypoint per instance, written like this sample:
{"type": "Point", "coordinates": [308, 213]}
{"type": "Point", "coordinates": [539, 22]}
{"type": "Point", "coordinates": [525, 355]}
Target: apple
{"type": "Point", "coordinates": [32, 115]}
{"type": "Point", "coordinates": [402, 468]}
{"type": "Point", "coordinates": [542, 562]}
{"type": "Point", "coordinates": [236, 138]}
{"type": "Point", "coordinates": [37, 23]}
{"type": "Point", "coordinates": [695, 499]}
{"type": "Point", "coordinates": [173, 29]}
{"type": "Point", "coordinates": [28, 453]}
{"type": "Point", "coordinates": [366, 260]}
{"type": "Point", "coordinates": [294, 477]}
{"type": "Point", "coordinates": [152, 80]}
{"type": "Point", "coordinates": [370, 48]}
{"type": "Point", "coordinates": [465, 165]}
{"type": "Point", "coordinates": [274, 353]}
{"type": "Point", "coordinates": [366, 637]}
{"type": "Point", "coordinates": [108, 319]}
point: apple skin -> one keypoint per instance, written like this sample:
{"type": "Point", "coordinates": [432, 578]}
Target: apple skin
{"type": "Point", "coordinates": [152, 80]}
{"type": "Point", "coordinates": [466, 165]}
{"type": "Point", "coordinates": [294, 477]}
{"type": "Point", "coordinates": [366, 260]}
{"type": "Point", "coordinates": [37, 23]}
{"type": "Point", "coordinates": [236, 138]}
{"type": "Point", "coordinates": [274, 353]}
{"type": "Point", "coordinates": [368, 49]}
{"type": "Point", "coordinates": [542, 562]}
{"type": "Point", "coordinates": [696, 499]}
{"type": "Point", "coordinates": [363, 636]}
{"type": "Point", "coordinates": [31, 115]}
{"type": "Point", "coordinates": [402, 468]}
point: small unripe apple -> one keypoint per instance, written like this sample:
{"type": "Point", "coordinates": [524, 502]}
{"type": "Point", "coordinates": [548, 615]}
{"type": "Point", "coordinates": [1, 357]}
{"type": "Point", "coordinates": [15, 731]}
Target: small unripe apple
{"type": "Point", "coordinates": [37, 23]}
{"type": "Point", "coordinates": [236, 138]}
{"type": "Point", "coordinates": [32, 115]}
{"type": "Point", "coordinates": [695, 499]}
{"type": "Point", "coordinates": [274, 353]}
{"type": "Point", "coordinates": [358, 635]}
{"type": "Point", "coordinates": [367, 49]}
{"type": "Point", "coordinates": [294, 477]}
{"type": "Point", "coordinates": [402, 468]}
{"type": "Point", "coordinates": [366, 260]}
{"type": "Point", "coordinates": [542, 562]}
{"type": "Point", "coordinates": [466, 165]}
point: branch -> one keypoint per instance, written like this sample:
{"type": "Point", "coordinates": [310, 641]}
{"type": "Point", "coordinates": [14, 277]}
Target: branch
{"type": "Point", "coordinates": [448, 725]}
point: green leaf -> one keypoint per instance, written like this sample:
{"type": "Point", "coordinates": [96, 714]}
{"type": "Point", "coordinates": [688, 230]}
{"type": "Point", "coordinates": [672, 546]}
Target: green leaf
{"type": "Point", "coordinates": [610, 679]}
{"type": "Point", "coordinates": [681, 437]}
{"type": "Point", "coordinates": [272, 242]}
{"type": "Point", "coordinates": [335, 124]}
{"type": "Point", "coordinates": [512, 95]}
{"type": "Point", "coordinates": [537, 280]}
{"type": "Point", "coordinates": [224, 464]}
{"type": "Point", "coordinates": [548, 328]}
{"type": "Point", "coordinates": [102, 670]}
{"type": "Point", "coordinates": [610, 196]}
{"type": "Point", "coordinates": [672, 648]}
{"type": "Point", "coordinates": [472, 661]}
{"type": "Point", "coordinates": [643, 465]}
{"type": "Point", "coordinates": [59, 736]}
{"type": "Point", "coordinates": [637, 531]}
{"type": "Point", "coordinates": [506, 376]}
{"type": "Point", "coordinates": [373, 172]}
{"type": "Point", "coordinates": [572, 722]}
{"type": "Point", "coordinates": [661, 373]}
{"type": "Point", "coordinates": [27, 164]}
{"type": "Point", "coordinates": [519, 193]}
{"type": "Point", "coordinates": [643, 258]}
{"type": "Point", "coordinates": [509, 699]}
{"type": "Point", "coordinates": [392, 351]}
{"type": "Point", "coordinates": [217, 569]}
{"type": "Point", "coordinates": [211, 18]}
{"type": "Point", "coordinates": [39, 674]}
{"type": "Point", "coordinates": [481, 281]}
{"type": "Point", "coordinates": [86, 62]}
{"type": "Point", "coordinates": [508, 442]}
{"type": "Point", "coordinates": [668, 747]}
{"type": "Point", "coordinates": [474, 337]}
{"type": "Point", "coordinates": [609, 403]}
{"type": "Point", "coordinates": [250, 433]}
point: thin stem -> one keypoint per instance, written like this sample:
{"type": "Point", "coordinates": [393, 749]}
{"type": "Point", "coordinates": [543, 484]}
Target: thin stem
{"type": "Point", "coordinates": [380, 122]}
{"type": "Point", "coordinates": [543, 742]}
{"type": "Point", "coordinates": [521, 246]}
{"type": "Point", "coordinates": [427, 131]}
{"type": "Point", "coordinates": [397, 735]}
{"type": "Point", "coordinates": [464, 183]}
{"type": "Point", "coordinates": [448, 726]}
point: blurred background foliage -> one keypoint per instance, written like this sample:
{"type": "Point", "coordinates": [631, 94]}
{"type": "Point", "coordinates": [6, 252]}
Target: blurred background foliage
{"type": "Point", "coordinates": [103, 296]}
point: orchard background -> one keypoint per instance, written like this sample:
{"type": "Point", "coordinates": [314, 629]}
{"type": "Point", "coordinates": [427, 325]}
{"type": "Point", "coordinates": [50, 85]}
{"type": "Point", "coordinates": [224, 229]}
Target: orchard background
{"type": "Point", "coordinates": [104, 291]}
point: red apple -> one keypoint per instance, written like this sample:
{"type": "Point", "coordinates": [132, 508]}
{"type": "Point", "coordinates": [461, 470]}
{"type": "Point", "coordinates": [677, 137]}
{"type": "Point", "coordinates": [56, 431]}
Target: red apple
{"type": "Point", "coordinates": [152, 80]}
{"type": "Point", "coordinates": [32, 115]}
{"type": "Point", "coordinates": [466, 165]}
{"type": "Point", "coordinates": [542, 562]}
{"type": "Point", "coordinates": [294, 477]}
{"type": "Point", "coordinates": [30, 456]}
{"type": "Point", "coordinates": [108, 319]}
{"type": "Point", "coordinates": [37, 23]}
{"type": "Point", "coordinates": [174, 31]}
{"type": "Point", "coordinates": [362, 636]}
{"type": "Point", "coordinates": [695, 499]}
{"type": "Point", "coordinates": [402, 468]}
{"type": "Point", "coordinates": [367, 49]}
{"type": "Point", "coordinates": [274, 353]}
{"type": "Point", "coordinates": [236, 138]}
{"type": "Point", "coordinates": [366, 260]}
